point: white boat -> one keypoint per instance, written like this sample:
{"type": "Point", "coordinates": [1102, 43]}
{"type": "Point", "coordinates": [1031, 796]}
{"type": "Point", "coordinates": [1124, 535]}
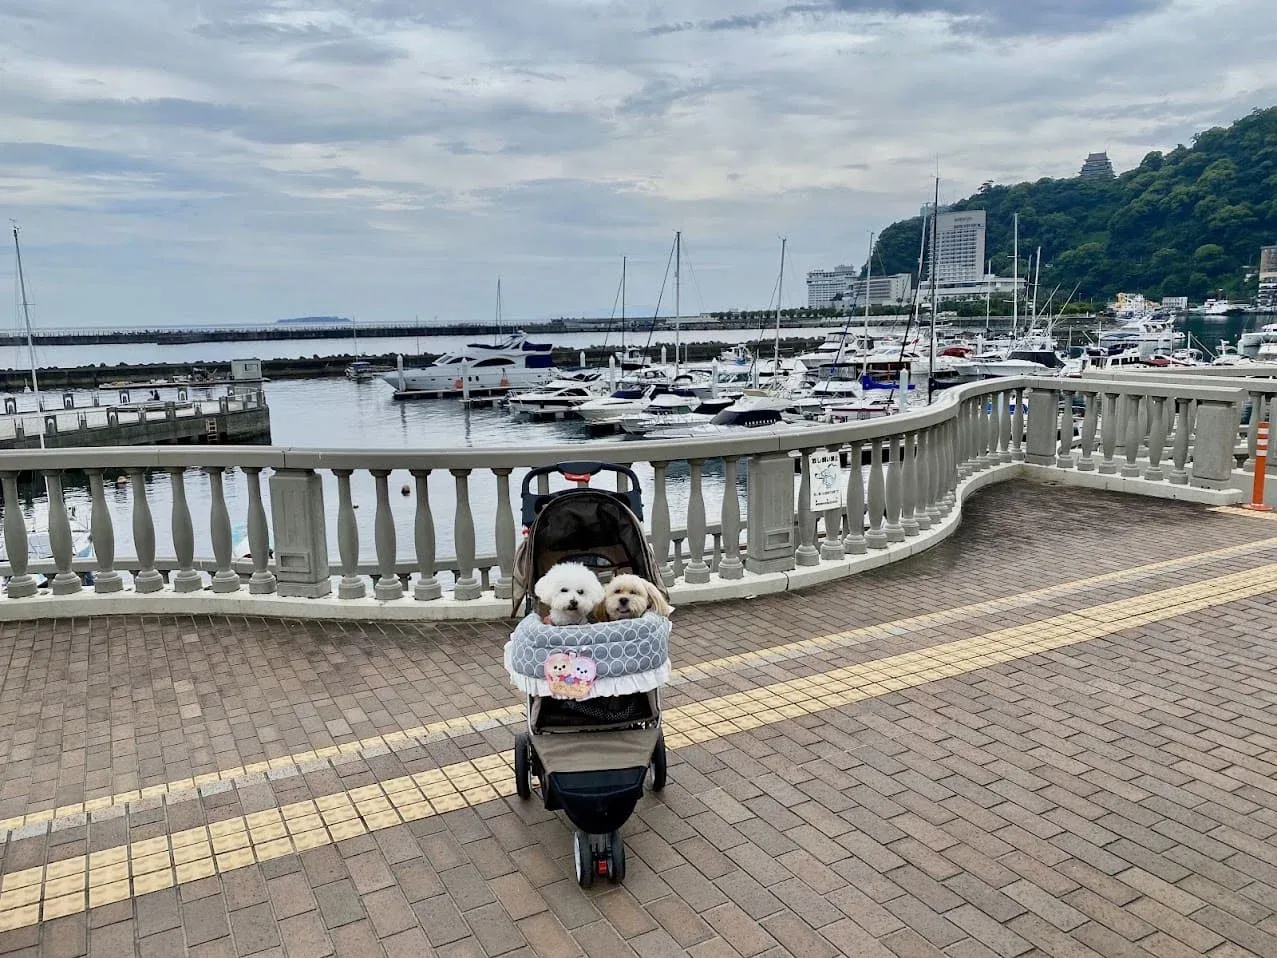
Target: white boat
{"type": "Point", "coordinates": [748, 412]}
{"type": "Point", "coordinates": [557, 397]}
{"type": "Point", "coordinates": [39, 546]}
{"type": "Point", "coordinates": [1221, 307]}
{"type": "Point", "coordinates": [512, 363]}
{"type": "Point", "coordinates": [1248, 343]}
{"type": "Point", "coordinates": [610, 410]}
{"type": "Point", "coordinates": [1229, 356]}
{"type": "Point", "coordinates": [671, 409]}
{"type": "Point", "coordinates": [361, 371]}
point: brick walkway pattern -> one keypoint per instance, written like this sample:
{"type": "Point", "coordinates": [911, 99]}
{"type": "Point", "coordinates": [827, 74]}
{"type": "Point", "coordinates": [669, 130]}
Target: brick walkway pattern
{"type": "Point", "coordinates": [1051, 735]}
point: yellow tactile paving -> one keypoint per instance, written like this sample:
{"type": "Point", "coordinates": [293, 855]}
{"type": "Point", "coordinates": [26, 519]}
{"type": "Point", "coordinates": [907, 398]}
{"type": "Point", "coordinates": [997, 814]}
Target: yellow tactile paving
{"type": "Point", "coordinates": [467, 724]}
{"type": "Point", "coordinates": [1249, 513]}
{"type": "Point", "coordinates": [36, 894]}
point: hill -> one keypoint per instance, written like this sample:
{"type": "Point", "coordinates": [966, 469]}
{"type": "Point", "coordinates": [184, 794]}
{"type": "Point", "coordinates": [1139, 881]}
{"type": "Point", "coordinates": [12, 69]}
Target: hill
{"type": "Point", "coordinates": [1184, 223]}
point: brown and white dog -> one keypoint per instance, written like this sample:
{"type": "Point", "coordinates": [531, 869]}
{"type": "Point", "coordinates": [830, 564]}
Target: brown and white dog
{"type": "Point", "coordinates": [628, 597]}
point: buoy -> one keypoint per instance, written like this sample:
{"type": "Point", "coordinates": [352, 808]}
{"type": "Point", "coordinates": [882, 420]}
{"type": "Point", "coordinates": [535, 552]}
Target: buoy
{"type": "Point", "coordinates": [404, 490]}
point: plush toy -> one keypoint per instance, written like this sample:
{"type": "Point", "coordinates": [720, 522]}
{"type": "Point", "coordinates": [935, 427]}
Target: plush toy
{"type": "Point", "coordinates": [570, 676]}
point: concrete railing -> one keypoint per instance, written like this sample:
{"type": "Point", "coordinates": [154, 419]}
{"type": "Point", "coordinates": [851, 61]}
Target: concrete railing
{"type": "Point", "coordinates": [900, 489]}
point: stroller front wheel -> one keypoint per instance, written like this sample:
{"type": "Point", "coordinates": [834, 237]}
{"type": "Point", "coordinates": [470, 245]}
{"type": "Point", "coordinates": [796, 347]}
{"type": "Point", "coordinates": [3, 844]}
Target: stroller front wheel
{"type": "Point", "coordinates": [659, 770]}
{"type": "Point", "coordinates": [615, 858]}
{"type": "Point", "coordinates": [583, 855]}
{"type": "Point", "coordinates": [523, 765]}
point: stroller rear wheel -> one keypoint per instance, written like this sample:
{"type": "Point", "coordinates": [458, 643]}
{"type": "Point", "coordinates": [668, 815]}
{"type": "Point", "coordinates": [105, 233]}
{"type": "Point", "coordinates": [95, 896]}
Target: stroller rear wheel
{"type": "Point", "coordinates": [615, 858]}
{"type": "Point", "coordinates": [659, 771]}
{"type": "Point", "coordinates": [523, 765]}
{"type": "Point", "coordinates": [583, 855]}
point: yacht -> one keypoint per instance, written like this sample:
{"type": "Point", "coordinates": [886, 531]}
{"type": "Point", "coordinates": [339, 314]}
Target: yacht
{"type": "Point", "coordinates": [556, 397]}
{"type": "Point", "coordinates": [750, 412]}
{"type": "Point", "coordinates": [1248, 344]}
{"type": "Point", "coordinates": [509, 364]}
{"type": "Point", "coordinates": [1221, 307]}
{"type": "Point", "coordinates": [671, 409]}
{"type": "Point", "coordinates": [840, 348]}
{"type": "Point", "coordinates": [361, 371]}
{"type": "Point", "coordinates": [1229, 356]}
{"type": "Point", "coordinates": [1149, 335]}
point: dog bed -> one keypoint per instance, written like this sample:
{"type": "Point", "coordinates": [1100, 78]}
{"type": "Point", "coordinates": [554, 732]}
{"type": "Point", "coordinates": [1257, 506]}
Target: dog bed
{"type": "Point", "coordinates": [587, 661]}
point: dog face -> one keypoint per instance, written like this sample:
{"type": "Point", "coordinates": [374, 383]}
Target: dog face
{"type": "Point", "coordinates": [558, 665]}
{"type": "Point", "coordinates": [629, 596]}
{"type": "Point", "coordinates": [571, 591]}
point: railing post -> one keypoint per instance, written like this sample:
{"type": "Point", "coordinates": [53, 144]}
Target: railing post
{"type": "Point", "coordinates": [504, 531]}
{"type": "Point", "coordinates": [1017, 427]}
{"type": "Point", "coordinates": [806, 553]}
{"type": "Point", "coordinates": [962, 437]}
{"type": "Point", "coordinates": [1065, 458]}
{"type": "Point", "coordinates": [661, 544]}
{"type": "Point", "coordinates": [769, 530]}
{"type": "Point", "coordinates": [924, 483]}
{"type": "Point", "coordinates": [1183, 429]}
{"type": "Point", "coordinates": [388, 587]}
{"type": "Point", "coordinates": [730, 566]}
{"type": "Point", "coordinates": [65, 582]}
{"type": "Point", "coordinates": [908, 485]}
{"type": "Point", "coordinates": [224, 577]}
{"type": "Point", "coordinates": [105, 577]}
{"type": "Point", "coordinates": [876, 537]}
{"type": "Point", "coordinates": [1214, 431]}
{"type": "Point", "coordinates": [991, 456]}
{"type": "Point", "coordinates": [854, 542]}
{"type": "Point", "coordinates": [1156, 438]}
{"type": "Point", "coordinates": [895, 532]}
{"type": "Point", "coordinates": [262, 581]}
{"type": "Point", "coordinates": [301, 534]}
{"type": "Point", "coordinates": [1108, 433]}
{"type": "Point", "coordinates": [831, 547]}
{"type": "Point", "coordinates": [1043, 418]}
{"type": "Point", "coordinates": [1252, 427]}
{"type": "Point", "coordinates": [1131, 469]}
{"type": "Point", "coordinates": [1005, 400]}
{"type": "Point", "coordinates": [352, 584]}
{"type": "Point", "coordinates": [148, 578]}
{"type": "Point", "coordinates": [186, 578]}
{"type": "Point", "coordinates": [22, 583]}
{"type": "Point", "coordinates": [1086, 462]}
{"type": "Point", "coordinates": [427, 587]}
{"type": "Point", "coordinates": [467, 587]}
{"type": "Point", "coordinates": [696, 571]}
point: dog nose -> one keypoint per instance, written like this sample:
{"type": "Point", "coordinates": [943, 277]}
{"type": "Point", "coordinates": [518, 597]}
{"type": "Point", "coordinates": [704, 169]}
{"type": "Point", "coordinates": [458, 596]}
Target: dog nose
{"type": "Point", "coordinates": [623, 600]}
{"type": "Point", "coordinates": [572, 605]}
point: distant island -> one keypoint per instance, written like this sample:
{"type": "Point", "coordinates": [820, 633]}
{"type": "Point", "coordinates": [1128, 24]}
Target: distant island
{"type": "Point", "coordinates": [1185, 223]}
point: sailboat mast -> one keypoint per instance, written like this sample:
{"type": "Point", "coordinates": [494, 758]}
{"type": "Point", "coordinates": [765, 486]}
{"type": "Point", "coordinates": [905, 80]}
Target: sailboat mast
{"type": "Point", "coordinates": [26, 317]}
{"type": "Point", "coordinates": [869, 275]}
{"type": "Point", "coordinates": [1037, 275]}
{"type": "Point", "coordinates": [1015, 282]}
{"type": "Point", "coordinates": [678, 262]}
{"type": "Point", "coordinates": [780, 291]}
{"type": "Point", "coordinates": [498, 333]}
{"type": "Point", "coordinates": [623, 264]}
{"type": "Point", "coordinates": [935, 249]}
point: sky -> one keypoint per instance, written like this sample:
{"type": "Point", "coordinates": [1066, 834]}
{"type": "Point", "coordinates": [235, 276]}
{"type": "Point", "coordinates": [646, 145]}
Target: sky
{"type": "Point", "coordinates": [249, 160]}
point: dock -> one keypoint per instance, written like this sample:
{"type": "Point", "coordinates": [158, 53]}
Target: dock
{"type": "Point", "coordinates": [240, 418]}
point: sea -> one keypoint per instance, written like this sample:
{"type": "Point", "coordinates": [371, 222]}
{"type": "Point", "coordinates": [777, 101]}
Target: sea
{"type": "Point", "coordinates": [334, 413]}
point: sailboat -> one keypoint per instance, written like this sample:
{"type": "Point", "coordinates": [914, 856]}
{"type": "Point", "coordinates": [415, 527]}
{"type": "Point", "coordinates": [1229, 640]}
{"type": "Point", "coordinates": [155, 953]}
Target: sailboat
{"type": "Point", "coordinates": [39, 545]}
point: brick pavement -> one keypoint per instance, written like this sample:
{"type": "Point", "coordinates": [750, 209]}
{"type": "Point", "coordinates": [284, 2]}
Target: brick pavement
{"type": "Point", "coordinates": [964, 777]}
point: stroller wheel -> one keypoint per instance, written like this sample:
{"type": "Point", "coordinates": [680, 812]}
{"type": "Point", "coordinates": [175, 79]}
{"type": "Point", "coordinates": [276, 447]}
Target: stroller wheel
{"type": "Point", "coordinates": [583, 855]}
{"type": "Point", "coordinates": [523, 765]}
{"type": "Point", "coordinates": [615, 858]}
{"type": "Point", "coordinates": [659, 773]}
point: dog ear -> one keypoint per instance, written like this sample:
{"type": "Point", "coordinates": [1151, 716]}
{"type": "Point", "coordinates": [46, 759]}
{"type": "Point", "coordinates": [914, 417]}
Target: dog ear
{"type": "Point", "coordinates": [656, 600]}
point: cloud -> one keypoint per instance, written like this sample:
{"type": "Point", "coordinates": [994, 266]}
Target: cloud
{"type": "Point", "coordinates": [263, 158]}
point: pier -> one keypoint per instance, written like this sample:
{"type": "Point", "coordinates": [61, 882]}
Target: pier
{"type": "Point", "coordinates": [1006, 695]}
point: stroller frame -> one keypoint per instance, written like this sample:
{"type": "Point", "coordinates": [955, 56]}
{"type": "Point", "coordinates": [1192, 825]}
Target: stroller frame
{"type": "Point", "coordinates": [597, 802]}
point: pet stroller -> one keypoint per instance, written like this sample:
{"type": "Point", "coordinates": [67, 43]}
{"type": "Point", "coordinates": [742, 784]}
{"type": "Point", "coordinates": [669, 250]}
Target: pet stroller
{"type": "Point", "coordinates": [592, 745]}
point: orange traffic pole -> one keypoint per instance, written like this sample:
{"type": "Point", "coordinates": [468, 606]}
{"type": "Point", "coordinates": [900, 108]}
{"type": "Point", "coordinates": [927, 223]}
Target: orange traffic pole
{"type": "Point", "coordinates": [1261, 471]}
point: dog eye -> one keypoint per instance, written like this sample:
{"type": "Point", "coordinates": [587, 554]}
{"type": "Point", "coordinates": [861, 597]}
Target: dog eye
{"type": "Point", "coordinates": [563, 590]}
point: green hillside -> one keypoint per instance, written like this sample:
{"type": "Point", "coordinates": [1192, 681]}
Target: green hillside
{"type": "Point", "coordinates": [1184, 223]}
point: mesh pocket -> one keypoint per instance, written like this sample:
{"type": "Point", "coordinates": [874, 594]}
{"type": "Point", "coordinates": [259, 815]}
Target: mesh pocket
{"type": "Point", "coordinates": [604, 710]}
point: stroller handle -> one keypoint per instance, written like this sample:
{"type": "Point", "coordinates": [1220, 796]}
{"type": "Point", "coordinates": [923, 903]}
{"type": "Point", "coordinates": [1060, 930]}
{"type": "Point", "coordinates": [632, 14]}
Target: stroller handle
{"type": "Point", "coordinates": [579, 471]}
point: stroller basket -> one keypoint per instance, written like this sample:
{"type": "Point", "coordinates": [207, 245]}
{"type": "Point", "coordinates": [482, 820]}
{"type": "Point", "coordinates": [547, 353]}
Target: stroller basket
{"type": "Point", "coordinates": [604, 712]}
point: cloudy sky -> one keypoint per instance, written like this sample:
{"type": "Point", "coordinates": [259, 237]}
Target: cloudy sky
{"type": "Point", "coordinates": [177, 162]}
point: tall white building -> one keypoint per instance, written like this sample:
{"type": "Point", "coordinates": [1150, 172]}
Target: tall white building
{"type": "Point", "coordinates": [1267, 299]}
{"type": "Point", "coordinates": [960, 241]}
{"type": "Point", "coordinates": [842, 287]}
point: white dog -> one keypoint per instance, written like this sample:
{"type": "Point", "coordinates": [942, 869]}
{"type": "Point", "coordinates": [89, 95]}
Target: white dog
{"type": "Point", "coordinates": [571, 591]}
{"type": "Point", "coordinates": [628, 597]}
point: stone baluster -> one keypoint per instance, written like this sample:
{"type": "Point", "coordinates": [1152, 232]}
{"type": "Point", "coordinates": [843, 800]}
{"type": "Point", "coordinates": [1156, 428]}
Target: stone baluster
{"type": "Point", "coordinates": [991, 455]}
{"type": "Point", "coordinates": [1131, 468]}
{"type": "Point", "coordinates": [895, 532]}
{"type": "Point", "coordinates": [148, 578]}
{"type": "Point", "coordinates": [1086, 462]}
{"type": "Point", "coordinates": [423, 529]}
{"type": "Point", "coordinates": [65, 581]}
{"type": "Point", "coordinates": [388, 586]}
{"type": "Point", "coordinates": [951, 470]}
{"type": "Point", "coordinates": [853, 542]}
{"type": "Point", "coordinates": [1257, 416]}
{"type": "Point", "coordinates": [831, 547]}
{"type": "Point", "coordinates": [186, 578]}
{"type": "Point", "coordinates": [661, 523]}
{"type": "Point", "coordinates": [262, 581]}
{"type": "Point", "coordinates": [806, 553]}
{"type": "Point", "coordinates": [504, 530]}
{"type": "Point", "coordinates": [352, 585]}
{"type": "Point", "coordinates": [876, 537]}
{"type": "Point", "coordinates": [935, 474]}
{"type": "Point", "coordinates": [962, 420]}
{"type": "Point", "coordinates": [1108, 432]}
{"type": "Point", "coordinates": [21, 583]}
{"type": "Point", "coordinates": [105, 577]}
{"type": "Point", "coordinates": [908, 485]}
{"type": "Point", "coordinates": [1005, 401]}
{"type": "Point", "coordinates": [1017, 426]}
{"type": "Point", "coordinates": [467, 587]}
{"type": "Point", "coordinates": [697, 570]}
{"type": "Point", "coordinates": [1156, 438]}
{"type": "Point", "coordinates": [219, 519]}
{"type": "Point", "coordinates": [923, 482]}
{"type": "Point", "coordinates": [730, 566]}
{"type": "Point", "coordinates": [978, 432]}
{"type": "Point", "coordinates": [1183, 430]}
{"type": "Point", "coordinates": [1064, 460]}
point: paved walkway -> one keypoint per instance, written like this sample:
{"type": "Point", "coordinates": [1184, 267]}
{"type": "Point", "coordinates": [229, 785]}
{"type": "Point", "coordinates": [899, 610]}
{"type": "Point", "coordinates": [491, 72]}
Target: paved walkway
{"type": "Point", "coordinates": [1053, 734]}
